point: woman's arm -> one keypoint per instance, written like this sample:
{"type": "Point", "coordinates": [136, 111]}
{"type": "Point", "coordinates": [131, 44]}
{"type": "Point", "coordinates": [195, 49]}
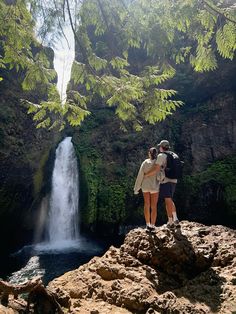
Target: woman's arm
{"type": "Point", "coordinates": [139, 179]}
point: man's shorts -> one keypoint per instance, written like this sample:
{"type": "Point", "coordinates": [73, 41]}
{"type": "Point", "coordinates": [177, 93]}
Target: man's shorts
{"type": "Point", "coordinates": [167, 190]}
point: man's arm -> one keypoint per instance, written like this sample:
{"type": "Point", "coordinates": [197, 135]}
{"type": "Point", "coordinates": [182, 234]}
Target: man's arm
{"type": "Point", "coordinates": [154, 170]}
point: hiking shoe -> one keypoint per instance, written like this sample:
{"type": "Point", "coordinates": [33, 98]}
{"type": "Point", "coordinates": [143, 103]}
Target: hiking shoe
{"type": "Point", "coordinates": [150, 228]}
{"type": "Point", "coordinates": [170, 225]}
{"type": "Point", "coordinates": [176, 223]}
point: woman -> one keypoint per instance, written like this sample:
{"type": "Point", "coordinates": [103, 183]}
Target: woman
{"type": "Point", "coordinates": [150, 189]}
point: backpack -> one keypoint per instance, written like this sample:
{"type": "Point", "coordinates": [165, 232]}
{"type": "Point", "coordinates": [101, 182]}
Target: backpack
{"type": "Point", "coordinates": [174, 166]}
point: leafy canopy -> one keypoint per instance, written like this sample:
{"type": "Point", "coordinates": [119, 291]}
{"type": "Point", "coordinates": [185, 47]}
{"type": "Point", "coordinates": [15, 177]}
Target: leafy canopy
{"type": "Point", "coordinates": [19, 48]}
{"type": "Point", "coordinates": [126, 51]}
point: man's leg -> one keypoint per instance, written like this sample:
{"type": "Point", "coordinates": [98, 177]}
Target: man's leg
{"type": "Point", "coordinates": [175, 217]}
{"type": "Point", "coordinates": [166, 192]}
{"type": "Point", "coordinates": [146, 197]}
{"type": "Point", "coordinates": [154, 200]}
{"type": "Point", "coordinates": [174, 214]}
{"type": "Point", "coordinates": [169, 209]}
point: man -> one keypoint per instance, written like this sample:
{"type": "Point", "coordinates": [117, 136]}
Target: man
{"type": "Point", "coordinates": [167, 186]}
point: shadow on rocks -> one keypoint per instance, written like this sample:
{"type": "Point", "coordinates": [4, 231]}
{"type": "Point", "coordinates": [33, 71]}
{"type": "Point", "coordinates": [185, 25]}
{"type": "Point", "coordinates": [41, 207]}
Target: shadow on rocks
{"type": "Point", "coordinates": [184, 270]}
{"type": "Point", "coordinates": [205, 288]}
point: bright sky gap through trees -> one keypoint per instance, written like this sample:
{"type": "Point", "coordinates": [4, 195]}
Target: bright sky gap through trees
{"type": "Point", "coordinates": [63, 59]}
{"type": "Point", "coordinates": [64, 49]}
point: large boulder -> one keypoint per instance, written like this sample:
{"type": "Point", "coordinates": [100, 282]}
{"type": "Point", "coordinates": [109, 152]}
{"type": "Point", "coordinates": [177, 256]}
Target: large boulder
{"type": "Point", "coordinates": [186, 270]}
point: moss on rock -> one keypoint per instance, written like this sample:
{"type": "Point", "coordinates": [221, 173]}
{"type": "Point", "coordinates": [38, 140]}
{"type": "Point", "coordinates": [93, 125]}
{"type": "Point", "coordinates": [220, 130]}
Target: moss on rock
{"type": "Point", "coordinates": [39, 174]}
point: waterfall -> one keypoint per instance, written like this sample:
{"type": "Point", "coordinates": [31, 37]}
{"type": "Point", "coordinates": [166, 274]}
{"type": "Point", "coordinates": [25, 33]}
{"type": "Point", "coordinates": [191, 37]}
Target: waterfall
{"type": "Point", "coordinates": [64, 201]}
{"type": "Point", "coordinates": [64, 249]}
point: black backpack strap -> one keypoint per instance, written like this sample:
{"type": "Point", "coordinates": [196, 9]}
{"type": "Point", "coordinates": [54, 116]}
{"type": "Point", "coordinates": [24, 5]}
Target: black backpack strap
{"type": "Point", "coordinates": [169, 153]}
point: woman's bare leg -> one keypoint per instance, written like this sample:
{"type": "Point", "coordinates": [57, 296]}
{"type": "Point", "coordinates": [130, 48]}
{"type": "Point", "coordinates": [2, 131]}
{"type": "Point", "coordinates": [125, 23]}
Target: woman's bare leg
{"type": "Point", "coordinates": [146, 197]}
{"type": "Point", "coordinates": [154, 200]}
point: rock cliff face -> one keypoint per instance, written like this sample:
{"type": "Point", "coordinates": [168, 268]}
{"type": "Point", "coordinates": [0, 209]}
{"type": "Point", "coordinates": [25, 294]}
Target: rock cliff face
{"type": "Point", "coordinates": [186, 270]}
{"type": "Point", "coordinates": [202, 132]}
{"type": "Point", "coordinates": [25, 164]}
{"type": "Point", "coordinates": [209, 131]}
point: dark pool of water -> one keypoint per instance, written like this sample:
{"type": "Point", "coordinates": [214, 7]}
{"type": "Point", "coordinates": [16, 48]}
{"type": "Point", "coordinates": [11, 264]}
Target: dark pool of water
{"type": "Point", "coordinates": [49, 261]}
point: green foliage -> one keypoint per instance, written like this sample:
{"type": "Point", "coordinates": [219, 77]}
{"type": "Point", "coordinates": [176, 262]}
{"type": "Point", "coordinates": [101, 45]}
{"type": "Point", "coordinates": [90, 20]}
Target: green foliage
{"type": "Point", "coordinates": [221, 173]}
{"type": "Point", "coordinates": [89, 182]}
{"type": "Point", "coordinates": [165, 31]}
{"type": "Point", "coordinates": [119, 63]}
{"type": "Point", "coordinates": [96, 62]}
{"type": "Point", "coordinates": [226, 40]}
{"type": "Point", "coordinates": [73, 111]}
{"type": "Point", "coordinates": [104, 184]}
{"type": "Point", "coordinates": [111, 203]}
{"type": "Point", "coordinates": [204, 59]}
{"type": "Point", "coordinates": [17, 41]}
{"type": "Point", "coordinates": [109, 34]}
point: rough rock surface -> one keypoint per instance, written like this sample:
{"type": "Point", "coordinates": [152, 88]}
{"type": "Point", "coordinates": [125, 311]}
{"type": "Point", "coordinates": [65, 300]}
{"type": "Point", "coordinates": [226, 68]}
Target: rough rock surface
{"type": "Point", "coordinates": [187, 270]}
{"type": "Point", "coordinates": [5, 310]}
{"type": "Point", "coordinates": [26, 155]}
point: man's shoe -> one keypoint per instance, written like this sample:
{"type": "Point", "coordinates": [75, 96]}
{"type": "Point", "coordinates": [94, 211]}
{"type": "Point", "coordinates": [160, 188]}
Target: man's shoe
{"type": "Point", "coordinates": [152, 228]}
{"type": "Point", "coordinates": [176, 223]}
{"type": "Point", "coordinates": [170, 225]}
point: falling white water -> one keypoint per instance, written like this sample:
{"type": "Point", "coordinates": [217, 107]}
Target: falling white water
{"type": "Point", "coordinates": [64, 202]}
{"type": "Point", "coordinates": [64, 250]}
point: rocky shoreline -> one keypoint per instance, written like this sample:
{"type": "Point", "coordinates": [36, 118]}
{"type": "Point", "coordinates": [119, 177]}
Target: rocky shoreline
{"type": "Point", "coordinates": [191, 269]}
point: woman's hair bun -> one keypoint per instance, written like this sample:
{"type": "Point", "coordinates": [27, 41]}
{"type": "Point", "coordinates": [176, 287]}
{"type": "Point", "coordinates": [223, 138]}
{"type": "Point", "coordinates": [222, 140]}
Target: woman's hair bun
{"type": "Point", "coordinates": [153, 152]}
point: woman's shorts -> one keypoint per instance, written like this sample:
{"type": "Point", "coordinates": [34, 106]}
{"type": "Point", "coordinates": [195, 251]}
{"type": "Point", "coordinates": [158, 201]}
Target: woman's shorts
{"type": "Point", "coordinates": [151, 192]}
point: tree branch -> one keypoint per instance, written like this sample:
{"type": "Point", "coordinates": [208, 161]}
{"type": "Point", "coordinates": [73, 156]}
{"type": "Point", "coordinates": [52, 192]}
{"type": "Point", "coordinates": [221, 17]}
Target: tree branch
{"type": "Point", "coordinates": [37, 293]}
{"type": "Point", "coordinates": [83, 51]}
{"type": "Point", "coordinates": [218, 11]}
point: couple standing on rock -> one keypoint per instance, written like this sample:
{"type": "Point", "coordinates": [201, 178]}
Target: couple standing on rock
{"type": "Point", "coordinates": [157, 178]}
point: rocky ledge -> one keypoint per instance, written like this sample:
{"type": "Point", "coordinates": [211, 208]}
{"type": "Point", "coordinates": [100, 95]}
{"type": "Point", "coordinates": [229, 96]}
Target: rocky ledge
{"type": "Point", "coordinates": [191, 269]}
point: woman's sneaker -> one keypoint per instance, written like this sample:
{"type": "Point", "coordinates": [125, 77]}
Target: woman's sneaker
{"type": "Point", "coordinates": [150, 228]}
